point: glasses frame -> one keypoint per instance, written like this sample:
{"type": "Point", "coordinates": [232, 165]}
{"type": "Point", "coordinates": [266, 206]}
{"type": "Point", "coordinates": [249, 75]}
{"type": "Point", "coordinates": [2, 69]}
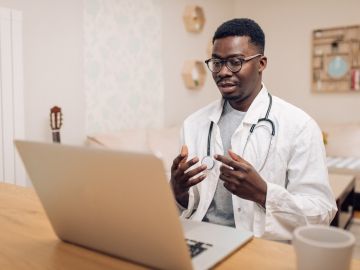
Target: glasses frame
{"type": "Point", "coordinates": [226, 60]}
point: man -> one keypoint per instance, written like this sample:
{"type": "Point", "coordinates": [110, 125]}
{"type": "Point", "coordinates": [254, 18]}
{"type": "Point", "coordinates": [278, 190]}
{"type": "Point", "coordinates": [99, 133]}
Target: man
{"type": "Point", "coordinates": [250, 160]}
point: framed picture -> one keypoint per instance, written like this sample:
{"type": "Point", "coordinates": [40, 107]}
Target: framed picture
{"type": "Point", "coordinates": [336, 59]}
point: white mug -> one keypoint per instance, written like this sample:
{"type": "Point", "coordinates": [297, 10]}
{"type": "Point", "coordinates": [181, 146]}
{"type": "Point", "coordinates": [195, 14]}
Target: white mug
{"type": "Point", "coordinates": [320, 247]}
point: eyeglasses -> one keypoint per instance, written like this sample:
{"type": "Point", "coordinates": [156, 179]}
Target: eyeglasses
{"type": "Point", "coordinates": [234, 64]}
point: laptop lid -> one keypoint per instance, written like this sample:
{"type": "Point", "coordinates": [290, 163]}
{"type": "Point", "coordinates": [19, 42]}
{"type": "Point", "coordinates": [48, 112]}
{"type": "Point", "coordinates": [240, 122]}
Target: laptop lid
{"type": "Point", "coordinates": [115, 202]}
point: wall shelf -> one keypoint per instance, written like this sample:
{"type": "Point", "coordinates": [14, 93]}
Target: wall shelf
{"type": "Point", "coordinates": [194, 74]}
{"type": "Point", "coordinates": [194, 18]}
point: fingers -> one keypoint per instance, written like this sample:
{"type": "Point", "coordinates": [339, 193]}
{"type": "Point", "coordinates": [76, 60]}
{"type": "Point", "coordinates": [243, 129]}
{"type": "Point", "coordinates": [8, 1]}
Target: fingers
{"type": "Point", "coordinates": [177, 161]}
{"type": "Point", "coordinates": [188, 179]}
{"type": "Point", "coordinates": [227, 161]}
{"type": "Point", "coordinates": [186, 165]}
{"type": "Point", "coordinates": [195, 181]}
{"type": "Point", "coordinates": [234, 156]}
{"type": "Point", "coordinates": [183, 169]}
{"type": "Point", "coordinates": [196, 171]}
{"type": "Point", "coordinates": [230, 177]}
{"type": "Point", "coordinates": [235, 162]}
{"type": "Point", "coordinates": [181, 158]}
{"type": "Point", "coordinates": [182, 177]}
{"type": "Point", "coordinates": [184, 151]}
{"type": "Point", "coordinates": [230, 186]}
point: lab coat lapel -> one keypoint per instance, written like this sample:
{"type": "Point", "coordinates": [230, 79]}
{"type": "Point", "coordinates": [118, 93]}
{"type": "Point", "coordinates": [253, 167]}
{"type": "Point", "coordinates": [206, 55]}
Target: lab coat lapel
{"type": "Point", "coordinates": [244, 209]}
{"type": "Point", "coordinates": [256, 111]}
{"type": "Point", "coordinates": [208, 186]}
{"type": "Point", "coordinates": [258, 107]}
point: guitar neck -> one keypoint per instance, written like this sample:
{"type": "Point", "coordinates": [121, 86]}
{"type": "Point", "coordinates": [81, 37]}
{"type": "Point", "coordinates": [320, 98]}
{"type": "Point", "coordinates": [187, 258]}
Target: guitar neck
{"type": "Point", "coordinates": [55, 123]}
{"type": "Point", "coordinates": [56, 136]}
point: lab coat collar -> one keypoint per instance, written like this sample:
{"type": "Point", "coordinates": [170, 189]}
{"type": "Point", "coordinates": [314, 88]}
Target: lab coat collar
{"type": "Point", "coordinates": [216, 113]}
{"type": "Point", "coordinates": [257, 107]}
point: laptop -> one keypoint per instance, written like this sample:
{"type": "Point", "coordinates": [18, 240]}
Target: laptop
{"type": "Point", "coordinates": [120, 203]}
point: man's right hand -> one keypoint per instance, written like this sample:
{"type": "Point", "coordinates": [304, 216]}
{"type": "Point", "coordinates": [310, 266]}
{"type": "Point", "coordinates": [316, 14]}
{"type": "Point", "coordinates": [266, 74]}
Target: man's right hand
{"type": "Point", "coordinates": [182, 178]}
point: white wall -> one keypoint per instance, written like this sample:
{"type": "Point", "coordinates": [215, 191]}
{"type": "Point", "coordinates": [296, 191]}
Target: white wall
{"type": "Point", "coordinates": [53, 62]}
{"type": "Point", "coordinates": [288, 27]}
{"type": "Point", "coordinates": [11, 95]}
{"type": "Point", "coordinates": [123, 69]}
{"type": "Point", "coordinates": [126, 91]}
{"type": "Point", "coordinates": [53, 66]}
{"type": "Point", "coordinates": [54, 47]}
{"type": "Point", "coordinates": [178, 46]}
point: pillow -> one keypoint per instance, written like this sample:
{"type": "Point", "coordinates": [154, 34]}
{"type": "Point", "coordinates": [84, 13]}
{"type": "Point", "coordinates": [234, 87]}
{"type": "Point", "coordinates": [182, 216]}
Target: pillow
{"type": "Point", "coordinates": [127, 140]}
{"type": "Point", "coordinates": [165, 143]}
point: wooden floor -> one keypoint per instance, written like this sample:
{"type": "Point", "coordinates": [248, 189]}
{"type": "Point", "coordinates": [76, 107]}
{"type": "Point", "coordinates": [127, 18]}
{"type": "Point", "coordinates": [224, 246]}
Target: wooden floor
{"type": "Point", "coordinates": [357, 214]}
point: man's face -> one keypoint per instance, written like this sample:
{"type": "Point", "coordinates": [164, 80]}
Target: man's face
{"type": "Point", "coordinates": [246, 83]}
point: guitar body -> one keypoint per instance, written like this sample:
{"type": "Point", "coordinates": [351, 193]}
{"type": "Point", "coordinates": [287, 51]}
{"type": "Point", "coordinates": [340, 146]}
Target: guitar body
{"type": "Point", "coordinates": [55, 123]}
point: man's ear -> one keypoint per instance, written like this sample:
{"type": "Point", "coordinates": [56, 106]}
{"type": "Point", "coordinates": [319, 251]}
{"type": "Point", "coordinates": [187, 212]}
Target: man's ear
{"type": "Point", "coordinates": [262, 63]}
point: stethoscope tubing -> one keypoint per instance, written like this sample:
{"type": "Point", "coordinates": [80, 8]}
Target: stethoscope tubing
{"type": "Point", "coordinates": [209, 161]}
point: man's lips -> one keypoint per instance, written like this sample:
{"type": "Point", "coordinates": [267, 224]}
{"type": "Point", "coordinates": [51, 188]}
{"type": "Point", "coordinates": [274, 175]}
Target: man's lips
{"type": "Point", "coordinates": [226, 84]}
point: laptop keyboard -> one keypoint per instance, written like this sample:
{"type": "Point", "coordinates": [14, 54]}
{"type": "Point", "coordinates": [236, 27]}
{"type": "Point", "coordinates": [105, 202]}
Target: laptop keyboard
{"type": "Point", "coordinates": [196, 247]}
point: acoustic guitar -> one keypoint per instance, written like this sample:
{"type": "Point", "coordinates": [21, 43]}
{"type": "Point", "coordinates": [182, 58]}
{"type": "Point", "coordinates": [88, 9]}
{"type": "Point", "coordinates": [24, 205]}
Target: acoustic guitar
{"type": "Point", "coordinates": [56, 123]}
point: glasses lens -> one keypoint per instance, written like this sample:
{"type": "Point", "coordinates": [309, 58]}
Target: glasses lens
{"type": "Point", "coordinates": [215, 65]}
{"type": "Point", "coordinates": [234, 64]}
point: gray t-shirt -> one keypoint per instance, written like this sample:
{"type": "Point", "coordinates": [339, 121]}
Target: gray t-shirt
{"type": "Point", "coordinates": [221, 208]}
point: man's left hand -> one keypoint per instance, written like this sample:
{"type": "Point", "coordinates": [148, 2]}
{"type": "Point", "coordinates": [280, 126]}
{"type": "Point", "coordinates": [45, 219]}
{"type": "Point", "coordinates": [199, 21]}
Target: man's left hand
{"type": "Point", "coordinates": [241, 178]}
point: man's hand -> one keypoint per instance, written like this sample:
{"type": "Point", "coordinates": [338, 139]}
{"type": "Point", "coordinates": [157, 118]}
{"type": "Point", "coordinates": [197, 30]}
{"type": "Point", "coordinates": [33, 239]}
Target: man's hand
{"type": "Point", "coordinates": [182, 178]}
{"type": "Point", "coordinates": [241, 179]}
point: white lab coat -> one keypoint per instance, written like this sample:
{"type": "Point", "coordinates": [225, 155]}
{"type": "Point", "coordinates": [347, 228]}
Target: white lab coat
{"type": "Point", "coordinates": [298, 190]}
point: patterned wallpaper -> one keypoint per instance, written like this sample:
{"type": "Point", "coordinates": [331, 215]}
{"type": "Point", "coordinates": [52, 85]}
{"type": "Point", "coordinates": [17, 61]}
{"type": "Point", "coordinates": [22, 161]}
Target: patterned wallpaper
{"type": "Point", "coordinates": [123, 64]}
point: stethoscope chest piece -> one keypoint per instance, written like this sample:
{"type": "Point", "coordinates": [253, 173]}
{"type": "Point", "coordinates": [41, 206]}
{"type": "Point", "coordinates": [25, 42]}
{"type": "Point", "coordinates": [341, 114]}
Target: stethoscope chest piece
{"type": "Point", "coordinates": [208, 161]}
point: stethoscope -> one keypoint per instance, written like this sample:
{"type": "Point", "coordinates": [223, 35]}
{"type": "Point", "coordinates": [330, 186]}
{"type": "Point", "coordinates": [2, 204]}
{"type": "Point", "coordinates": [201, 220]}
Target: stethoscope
{"type": "Point", "coordinates": [210, 162]}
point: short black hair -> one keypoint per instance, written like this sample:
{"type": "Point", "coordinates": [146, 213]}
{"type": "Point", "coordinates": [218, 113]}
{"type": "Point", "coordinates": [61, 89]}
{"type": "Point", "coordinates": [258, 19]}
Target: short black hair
{"type": "Point", "coordinates": [242, 27]}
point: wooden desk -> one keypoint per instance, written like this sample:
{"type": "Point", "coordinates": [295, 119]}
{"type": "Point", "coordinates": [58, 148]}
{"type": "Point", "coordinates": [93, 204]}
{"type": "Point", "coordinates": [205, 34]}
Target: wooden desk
{"type": "Point", "coordinates": [343, 187]}
{"type": "Point", "coordinates": [27, 241]}
{"type": "Point", "coordinates": [352, 171]}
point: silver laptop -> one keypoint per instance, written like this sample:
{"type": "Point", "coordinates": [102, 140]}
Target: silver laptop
{"type": "Point", "coordinates": [121, 204]}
